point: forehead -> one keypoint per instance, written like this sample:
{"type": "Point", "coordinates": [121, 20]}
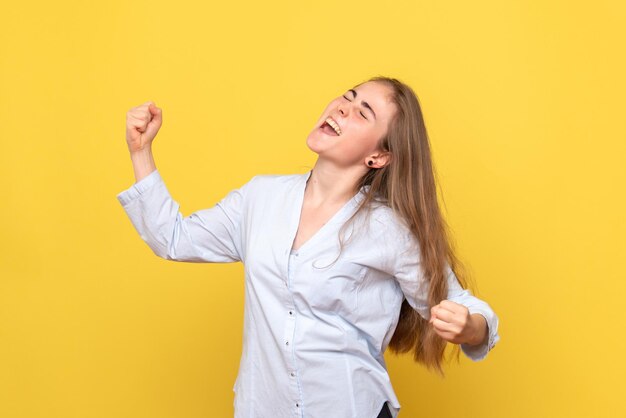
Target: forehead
{"type": "Point", "coordinates": [378, 95]}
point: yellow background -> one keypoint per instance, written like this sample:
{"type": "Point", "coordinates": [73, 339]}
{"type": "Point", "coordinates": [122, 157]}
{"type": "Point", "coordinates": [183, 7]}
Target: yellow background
{"type": "Point", "coordinates": [524, 105]}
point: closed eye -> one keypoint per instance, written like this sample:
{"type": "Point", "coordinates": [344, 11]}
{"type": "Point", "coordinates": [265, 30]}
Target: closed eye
{"type": "Point", "coordinates": [359, 111]}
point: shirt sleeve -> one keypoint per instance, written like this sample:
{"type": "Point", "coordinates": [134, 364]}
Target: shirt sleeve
{"type": "Point", "coordinates": [209, 235]}
{"type": "Point", "coordinates": [475, 305]}
{"type": "Point", "coordinates": [408, 271]}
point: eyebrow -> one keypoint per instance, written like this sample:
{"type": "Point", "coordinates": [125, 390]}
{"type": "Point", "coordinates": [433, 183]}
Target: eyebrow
{"type": "Point", "coordinates": [364, 103]}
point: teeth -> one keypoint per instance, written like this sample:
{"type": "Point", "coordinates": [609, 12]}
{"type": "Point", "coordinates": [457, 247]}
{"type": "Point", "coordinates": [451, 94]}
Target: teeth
{"type": "Point", "coordinates": [334, 125]}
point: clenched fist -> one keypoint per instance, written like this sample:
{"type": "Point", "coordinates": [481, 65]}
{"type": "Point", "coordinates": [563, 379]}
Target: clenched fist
{"type": "Point", "coordinates": [142, 124]}
{"type": "Point", "coordinates": [453, 322]}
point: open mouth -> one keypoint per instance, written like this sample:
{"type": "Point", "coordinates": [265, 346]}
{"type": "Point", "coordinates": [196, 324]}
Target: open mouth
{"type": "Point", "coordinates": [330, 127]}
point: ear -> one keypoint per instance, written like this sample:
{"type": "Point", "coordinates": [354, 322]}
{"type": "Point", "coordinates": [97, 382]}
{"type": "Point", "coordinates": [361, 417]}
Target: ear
{"type": "Point", "coordinates": [380, 159]}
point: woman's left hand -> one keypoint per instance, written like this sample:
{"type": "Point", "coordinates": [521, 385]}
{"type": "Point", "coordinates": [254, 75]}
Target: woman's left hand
{"type": "Point", "coordinates": [453, 322]}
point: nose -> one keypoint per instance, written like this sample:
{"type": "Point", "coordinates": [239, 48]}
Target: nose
{"type": "Point", "coordinates": [343, 109]}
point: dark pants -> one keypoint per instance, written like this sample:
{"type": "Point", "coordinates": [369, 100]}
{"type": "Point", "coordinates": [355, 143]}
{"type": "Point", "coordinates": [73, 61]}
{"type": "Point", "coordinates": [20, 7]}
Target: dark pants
{"type": "Point", "coordinates": [385, 412]}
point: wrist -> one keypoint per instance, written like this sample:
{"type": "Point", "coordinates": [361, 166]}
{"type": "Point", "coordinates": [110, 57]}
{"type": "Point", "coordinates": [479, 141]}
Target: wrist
{"type": "Point", "coordinates": [143, 163]}
{"type": "Point", "coordinates": [479, 329]}
{"type": "Point", "coordinates": [141, 153]}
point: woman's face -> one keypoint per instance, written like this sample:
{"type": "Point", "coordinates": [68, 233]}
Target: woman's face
{"type": "Point", "coordinates": [362, 116]}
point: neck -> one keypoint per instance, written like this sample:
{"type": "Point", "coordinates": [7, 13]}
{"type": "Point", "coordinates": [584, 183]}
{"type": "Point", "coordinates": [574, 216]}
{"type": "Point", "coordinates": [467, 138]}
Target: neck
{"type": "Point", "coordinates": [330, 184]}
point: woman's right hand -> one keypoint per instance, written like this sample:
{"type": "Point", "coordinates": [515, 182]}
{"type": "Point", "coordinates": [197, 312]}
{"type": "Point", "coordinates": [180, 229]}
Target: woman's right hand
{"type": "Point", "coordinates": [142, 124]}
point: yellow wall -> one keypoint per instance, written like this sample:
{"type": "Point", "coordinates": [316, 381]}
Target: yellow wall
{"type": "Point", "coordinates": [524, 103]}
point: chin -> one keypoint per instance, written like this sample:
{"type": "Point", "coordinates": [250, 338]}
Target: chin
{"type": "Point", "coordinates": [313, 142]}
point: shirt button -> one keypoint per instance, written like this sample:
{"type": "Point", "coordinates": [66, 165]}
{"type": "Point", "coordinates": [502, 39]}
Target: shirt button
{"type": "Point", "coordinates": [290, 312]}
{"type": "Point", "coordinates": [286, 342]}
{"type": "Point", "coordinates": [297, 405]}
{"type": "Point", "coordinates": [292, 374]}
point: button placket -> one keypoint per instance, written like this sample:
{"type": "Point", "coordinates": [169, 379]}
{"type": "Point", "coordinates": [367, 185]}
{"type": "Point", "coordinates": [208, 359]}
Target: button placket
{"type": "Point", "coordinates": [290, 323]}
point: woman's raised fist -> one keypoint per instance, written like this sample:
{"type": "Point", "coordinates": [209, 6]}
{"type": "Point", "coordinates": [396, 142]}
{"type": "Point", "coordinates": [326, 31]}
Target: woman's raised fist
{"type": "Point", "coordinates": [142, 124]}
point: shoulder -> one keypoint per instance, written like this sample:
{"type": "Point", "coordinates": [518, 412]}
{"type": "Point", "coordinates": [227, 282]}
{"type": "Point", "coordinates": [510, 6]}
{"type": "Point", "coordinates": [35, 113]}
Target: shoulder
{"type": "Point", "coordinates": [390, 227]}
{"type": "Point", "coordinates": [276, 179]}
{"type": "Point", "coordinates": [271, 184]}
{"type": "Point", "coordinates": [388, 219]}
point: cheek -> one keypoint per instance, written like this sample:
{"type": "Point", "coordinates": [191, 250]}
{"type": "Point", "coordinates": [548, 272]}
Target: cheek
{"type": "Point", "coordinates": [364, 139]}
{"type": "Point", "coordinates": [374, 137]}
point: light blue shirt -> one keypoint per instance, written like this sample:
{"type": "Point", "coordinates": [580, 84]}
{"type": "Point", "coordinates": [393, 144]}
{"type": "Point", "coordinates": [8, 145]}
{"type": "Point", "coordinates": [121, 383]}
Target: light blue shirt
{"type": "Point", "coordinates": [314, 332]}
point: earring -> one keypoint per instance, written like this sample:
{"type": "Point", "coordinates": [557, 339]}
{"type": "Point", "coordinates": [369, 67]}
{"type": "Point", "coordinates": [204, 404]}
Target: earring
{"type": "Point", "coordinates": [370, 162]}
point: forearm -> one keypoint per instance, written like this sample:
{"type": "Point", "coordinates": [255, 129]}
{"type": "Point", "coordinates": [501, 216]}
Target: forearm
{"type": "Point", "coordinates": [143, 163]}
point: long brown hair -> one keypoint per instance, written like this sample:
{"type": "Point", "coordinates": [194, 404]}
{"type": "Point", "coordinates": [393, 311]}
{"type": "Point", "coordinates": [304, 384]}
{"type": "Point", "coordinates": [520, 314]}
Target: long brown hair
{"type": "Point", "coordinates": [408, 185]}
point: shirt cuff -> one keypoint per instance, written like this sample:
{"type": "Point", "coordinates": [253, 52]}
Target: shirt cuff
{"type": "Point", "coordinates": [134, 191]}
{"type": "Point", "coordinates": [479, 352]}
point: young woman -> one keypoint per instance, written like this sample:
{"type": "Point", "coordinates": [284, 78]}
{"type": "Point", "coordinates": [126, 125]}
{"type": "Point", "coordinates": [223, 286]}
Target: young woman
{"type": "Point", "coordinates": [340, 262]}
